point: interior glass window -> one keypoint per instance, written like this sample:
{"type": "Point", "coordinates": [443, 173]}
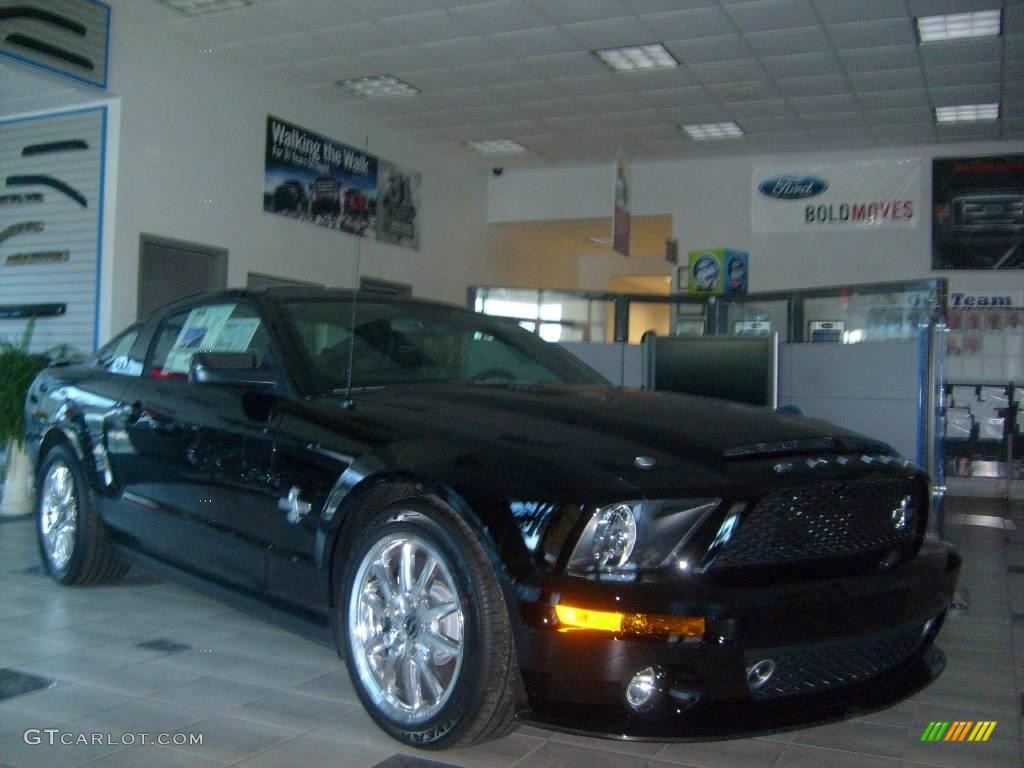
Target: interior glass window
{"type": "Point", "coordinates": [118, 355]}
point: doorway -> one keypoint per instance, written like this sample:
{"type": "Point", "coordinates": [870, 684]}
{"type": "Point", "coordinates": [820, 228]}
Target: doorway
{"type": "Point", "coordinates": [172, 269]}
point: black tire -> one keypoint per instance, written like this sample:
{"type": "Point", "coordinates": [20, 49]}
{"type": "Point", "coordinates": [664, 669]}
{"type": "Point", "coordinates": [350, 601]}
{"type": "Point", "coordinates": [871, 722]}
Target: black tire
{"type": "Point", "coordinates": [92, 560]}
{"type": "Point", "coordinates": [481, 704]}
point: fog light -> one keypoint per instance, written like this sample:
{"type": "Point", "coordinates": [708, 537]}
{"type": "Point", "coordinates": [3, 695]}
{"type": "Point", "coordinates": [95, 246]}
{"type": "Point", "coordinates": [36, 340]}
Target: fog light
{"type": "Point", "coordinates": [760, 673]}
{"type": "Point", "coordinates": [642, 688]}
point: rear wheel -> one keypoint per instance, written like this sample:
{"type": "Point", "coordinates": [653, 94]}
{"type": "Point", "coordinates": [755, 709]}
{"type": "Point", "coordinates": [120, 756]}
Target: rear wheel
{"type": "Point", "coordinates": [425, 630]}
{"type": "Point", "coordinates": [72, 539]}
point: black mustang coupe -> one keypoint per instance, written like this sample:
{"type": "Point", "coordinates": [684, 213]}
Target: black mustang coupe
{"type": "Point", "coordinates": [487, 527]}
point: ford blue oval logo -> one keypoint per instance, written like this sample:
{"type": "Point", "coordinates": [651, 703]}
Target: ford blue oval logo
{"type": "Point", "coordinates": [792, 187]}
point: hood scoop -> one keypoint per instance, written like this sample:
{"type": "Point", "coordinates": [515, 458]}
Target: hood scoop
{"type": "Point", "coordinates": [783, 447]}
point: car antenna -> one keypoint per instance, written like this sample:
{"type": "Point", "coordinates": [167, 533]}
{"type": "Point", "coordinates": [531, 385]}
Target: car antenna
{"type": "Point", "coordinates": [348, 403]}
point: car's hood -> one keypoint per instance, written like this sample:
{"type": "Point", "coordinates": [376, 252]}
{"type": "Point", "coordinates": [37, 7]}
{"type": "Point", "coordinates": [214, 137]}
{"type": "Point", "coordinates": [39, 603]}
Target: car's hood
{"type": "Point", "coordinates": [605, 429]}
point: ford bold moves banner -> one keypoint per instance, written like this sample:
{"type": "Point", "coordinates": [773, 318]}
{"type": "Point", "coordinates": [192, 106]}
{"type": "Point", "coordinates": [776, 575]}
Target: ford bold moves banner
{"type": "Point", "coordinates": [316, 179]}
{"type": "Point", "coordinates": [836, 196]}
{"type": "Point", "coordinates": [978, 212]}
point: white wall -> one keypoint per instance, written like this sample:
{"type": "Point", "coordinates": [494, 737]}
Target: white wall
{"type": "Point", "coordinates": [709, 200]}
{"type": "Point", "coordinates": [193, 128]}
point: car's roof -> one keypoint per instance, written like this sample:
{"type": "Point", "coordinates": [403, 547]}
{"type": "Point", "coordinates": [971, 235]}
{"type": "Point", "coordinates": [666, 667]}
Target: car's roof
{"type": "Point", "coordinates": [311, 292]}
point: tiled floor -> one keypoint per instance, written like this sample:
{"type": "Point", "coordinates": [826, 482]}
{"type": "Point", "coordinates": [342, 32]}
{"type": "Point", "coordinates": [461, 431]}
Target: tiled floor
{"type": "Point", "coordinates": [149, 656]}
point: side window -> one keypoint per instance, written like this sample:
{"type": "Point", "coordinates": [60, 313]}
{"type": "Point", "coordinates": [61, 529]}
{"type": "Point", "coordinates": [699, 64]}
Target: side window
{"type": "Point", "coordinates": [120, 356]}
{"type": "Point", "coordinates": [227, 327]}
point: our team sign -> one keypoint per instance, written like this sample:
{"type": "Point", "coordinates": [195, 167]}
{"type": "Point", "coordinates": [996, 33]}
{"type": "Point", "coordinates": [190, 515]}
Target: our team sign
{"type": "Point", "coordinates": [869, 194]}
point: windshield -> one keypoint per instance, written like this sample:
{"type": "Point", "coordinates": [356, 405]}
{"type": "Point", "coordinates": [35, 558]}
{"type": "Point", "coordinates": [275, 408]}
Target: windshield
{"type": "Point", "coordinates": [398, 343]}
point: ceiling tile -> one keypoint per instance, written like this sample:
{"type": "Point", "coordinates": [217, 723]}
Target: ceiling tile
{"type": "Point", "coordinates": [458, 98]}
{"type": "Point", "coordinates": [815, 105]}
{"type": "Point", "coordinates": [479, 115]}
{"type": "Point", "coordinates": [279, 49]}
{"type": "Point", "coordinates": [663, 6]}
{"type": "Point", "coordinates": [329, 68]}
{"type": "Point", "coordinates": [771, 124]}
{"type": "Point", "coordinates": [839, 11]}
{"type": "Point", "coordinates": [834, 120]}
{"type": "Point", "coordinates": [234, 27]}
{"type": "Point", "coordinates": [802, 65]}
{"type": "Point", "coordinates": [1012, 109]}
{"type": "Point", "coordinates": [841, 136]}
{"type": "Point", "coordinates": [788, 41]}
{"type": "Point", "coordinates": [500, 16]}
{"type": "Point", "coordinates": [426, 27]}
{"type": "Point", "coordinates": [495, 72]}
{"type": "Point", "coordinates": [880, 59]}
{"type": "Point", "coordinates": [787, 140]}
{"type": "Point", "coordinates": [687, 25]}
{"type": "Point", "coordinates": [616, 102]}
{"type": "Point", "coordinates": [968, 132]}
{"type": "Point", "coordinates": [667, 129]}
{"type": "Point", "coordinates": [1013, 89]}
{"type": "Point", "coordinates": [915, 97]}
{"type": "Point", "coordinates": [536, 42]}
{"type": "Point", "coordinates": [973, 94]}
{"type": "Point", "coordinates": [905, 134]}
{"type": "Point", "coordinates": [698, 113]}
{"type": "Point", "coordinates": [566, 64]}
{"type": "Point", "coordinates": [388, 60]}
{"type": "Point", "coordinates": [963, 74]}
{"type": "Point", "coordinates": [381, 9]}
{"type": "Point", "coordinates": [767, 108]}
{"type": "Point", "coordinates": [573, 123]}
{"type": "Point", "coordinates": [872, 34]}
{"type": "Point", "coordinates": [468, 50]}
{"type": "Point", "coordinates": [959, 51]}
{"type": "Point", "coordinates": [895, 80]}
{"type": "Point", "coordinates": [591, 85]}
{"type": "Point", "coordinates": [610, 34]}
{"type": "Point", "coordinates": [658, 79]}
{"type": "Point", "coordinates": [747, 70]}
{"type": "Point", "coordinates": [738, 92]}
{"type": "Point", "coordinates": [353, 38]}
{"type": "Point", "coordinates": [435, 79]}
{"type": "Point", "coordinates": [635, 119]}
{"type": "Point", "coordinates": [1013, 129]}
{"type": "Point", "coordinates": [826, 85]}
{"type": "Point", "coordinates": [553, 108]}
{"type": "Point", "coordinates": [902, 116]}
{"type": "Point", "coordinates": [726, 48]}
{"type": "Point", "coordinates": [1013, 19]}
{"type": "Point", "coordinates": [517, 129]}
{"type": "Point", "coordinates": [532, 90]}
{"type": "Point", "coordinates": [310, 14]}
{"type": "Point", "coordinates": [572, 11]}
{"type": "Point", "coordinates": [680, 97]}
{"type": "Point", "coordinates": [764, 15]}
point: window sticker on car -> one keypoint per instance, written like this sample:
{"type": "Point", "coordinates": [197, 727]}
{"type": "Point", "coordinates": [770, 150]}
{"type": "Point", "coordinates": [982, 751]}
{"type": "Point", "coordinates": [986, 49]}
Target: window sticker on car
{"type": "Point", "coordinates": [236, 335]}
{"type": "Point", "coordinates": [201, 330]}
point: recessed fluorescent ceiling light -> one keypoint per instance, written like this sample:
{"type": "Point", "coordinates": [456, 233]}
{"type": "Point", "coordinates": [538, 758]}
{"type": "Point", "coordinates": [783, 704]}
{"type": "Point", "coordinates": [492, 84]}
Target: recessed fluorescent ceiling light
{"type": "Point", "coordinates": [967, 113]}
{"type": "Point", "coordinates": [196, 7]}
{"type": "Point", "coordinates": [378, 87]}
{"type": "Point", "coordinates": [705, 131]}
{"type": "Point", "coordinates": [638, 57]}
{"type": "Point", "coordinates": [957, 26]}
{"type": "Point", "coordinates": [496, 147]}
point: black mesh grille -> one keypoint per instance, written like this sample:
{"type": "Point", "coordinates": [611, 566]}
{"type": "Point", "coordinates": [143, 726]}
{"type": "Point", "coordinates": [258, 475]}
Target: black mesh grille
{"type": "Point", "coordinates": [810, 670]}
{"type": "Point", "coordinates": [822, 521]}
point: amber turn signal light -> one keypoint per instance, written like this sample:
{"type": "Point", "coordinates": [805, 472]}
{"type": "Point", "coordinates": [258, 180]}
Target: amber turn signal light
{"type": "Point", "coordinates": [644, 624]}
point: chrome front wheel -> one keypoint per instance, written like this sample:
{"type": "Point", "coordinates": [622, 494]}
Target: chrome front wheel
{"type": "Point", "coordinates": [58, 515]}
{"type": "Point", "coordinates": [406, 627]}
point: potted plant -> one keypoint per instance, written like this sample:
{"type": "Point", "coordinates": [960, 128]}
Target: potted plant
{"type": "Point", "coordinates": [19, 368]}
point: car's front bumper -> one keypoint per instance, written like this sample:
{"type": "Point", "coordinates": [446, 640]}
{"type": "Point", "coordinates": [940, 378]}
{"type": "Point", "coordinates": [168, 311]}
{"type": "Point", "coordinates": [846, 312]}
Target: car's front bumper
{"type": "Point", "coordinates": [841, 646]}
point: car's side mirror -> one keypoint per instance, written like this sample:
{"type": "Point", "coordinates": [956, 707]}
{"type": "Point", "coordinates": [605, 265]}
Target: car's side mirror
{"type": "Point", "coordinates": [241, 369]}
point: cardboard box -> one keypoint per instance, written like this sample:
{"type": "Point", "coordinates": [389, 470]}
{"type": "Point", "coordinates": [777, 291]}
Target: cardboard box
{"type": "Point", "coordinates": [959, 423]}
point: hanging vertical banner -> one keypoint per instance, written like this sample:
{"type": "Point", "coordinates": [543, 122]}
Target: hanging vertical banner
{"type": "Point", "coordinates": [621, 218]}
{"type": "Point", "coordinates": [315, 179]}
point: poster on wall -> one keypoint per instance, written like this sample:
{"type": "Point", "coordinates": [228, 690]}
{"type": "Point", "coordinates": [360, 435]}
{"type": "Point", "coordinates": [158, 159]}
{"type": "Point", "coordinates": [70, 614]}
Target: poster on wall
{"type": "Point", "coordinates": [824, 197]}
{"type": "Point", "coordinates": [978, 212]}
{"type": "Point", "coordinates": [621, 215]}
{"type": "Point", "coordinates": [398, 202]}
{"type": "Point", "coordinates": [51, 225]}
{"type": "Point", "coordinates": [717, 272]}
{"type": "Point", "coordinates": [318, 180]}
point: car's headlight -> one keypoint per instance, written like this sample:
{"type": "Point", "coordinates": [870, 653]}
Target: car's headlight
{"type": "Point", "coordinates": [623, 538]}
